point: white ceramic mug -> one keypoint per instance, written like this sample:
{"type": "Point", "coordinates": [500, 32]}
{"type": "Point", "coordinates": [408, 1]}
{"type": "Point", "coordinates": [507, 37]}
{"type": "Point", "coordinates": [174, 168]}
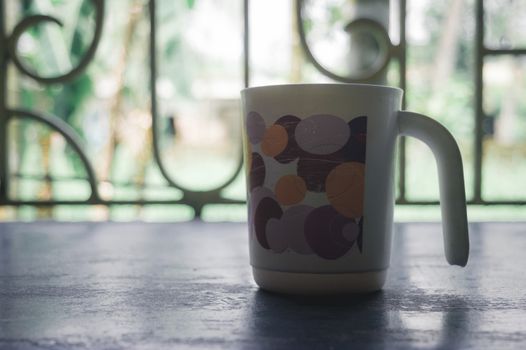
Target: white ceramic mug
{"type": "Point", "coordinates": [320, 173]}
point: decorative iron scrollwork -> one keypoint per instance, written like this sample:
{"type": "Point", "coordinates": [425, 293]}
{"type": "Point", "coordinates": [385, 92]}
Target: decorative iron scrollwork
{"type": "Point", "coordinates": [52, 121]}
{"type": "Point", "coordinates": [34, 20]}
{"type": "Point", "coordinates": [366, 25]}
{"type": "Point", "coordinates": [195, 199]}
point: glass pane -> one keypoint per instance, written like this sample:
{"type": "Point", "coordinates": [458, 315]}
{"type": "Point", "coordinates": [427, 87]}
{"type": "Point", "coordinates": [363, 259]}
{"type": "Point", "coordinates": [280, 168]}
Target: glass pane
{"type": "Point", "coordinates": [505, 24]}
{"type": "Point", "coordinates": [267, 67]}
{"type": "Point", "coordinates": [504, 167]}
{"type": "Point", "coordinates": [440, 85]}
{"type": "Point", "coordinates": [200, 76]}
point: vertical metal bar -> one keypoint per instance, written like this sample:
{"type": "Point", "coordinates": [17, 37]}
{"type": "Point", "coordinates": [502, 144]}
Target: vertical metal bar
{"type": "Point", "coordinates": [153, 76]}
{"type": "Point", "coordinates": [402, 53]}
{"type": "Point", "coordinates": [246, 43]}
{"type": "Point", "coordinates": [479, 93]}
{"type": "Point", "coordinates": [4, 170]}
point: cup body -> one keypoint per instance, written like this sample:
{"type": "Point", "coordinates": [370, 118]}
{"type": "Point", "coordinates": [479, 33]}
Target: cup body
{"type": "Point", "coordinates": [319, 168]}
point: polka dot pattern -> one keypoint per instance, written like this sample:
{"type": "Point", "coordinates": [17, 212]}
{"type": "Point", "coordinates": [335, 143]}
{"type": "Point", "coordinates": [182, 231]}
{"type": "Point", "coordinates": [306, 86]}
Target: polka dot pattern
{"type": "Point", "coordinates": [256, 196]}
{"type": "Point", "coordinates": [267, 209]}
{"type": "Point", "coordinates": [321, 154]}
{"type": "Point", "coordinates": [292, 150]}
{"type": "Point", "coordinates": [313, 169]}
{"type": "Point", "coordinates": [324, 232]}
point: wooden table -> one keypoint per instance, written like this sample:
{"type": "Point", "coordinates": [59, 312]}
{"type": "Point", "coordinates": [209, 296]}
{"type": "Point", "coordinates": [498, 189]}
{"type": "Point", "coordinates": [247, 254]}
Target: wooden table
{"type": "Point", "coordinates": [188, 285]}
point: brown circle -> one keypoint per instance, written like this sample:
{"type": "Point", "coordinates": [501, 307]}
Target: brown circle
{"type": "Point", "coordinates": [274, 141]}
{"type": "Point", "coordinates": [345, 188]}
{"type": "Point", "coordinates": [290, 189]}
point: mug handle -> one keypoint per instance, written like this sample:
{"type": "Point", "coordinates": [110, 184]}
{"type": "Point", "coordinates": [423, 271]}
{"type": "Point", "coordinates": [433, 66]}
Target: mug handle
{"type": "Point", "coordinates": [450, 178]}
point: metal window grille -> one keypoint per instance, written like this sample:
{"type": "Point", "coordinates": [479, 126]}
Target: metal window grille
{"type": "Point", "coordinates": [198, 199]}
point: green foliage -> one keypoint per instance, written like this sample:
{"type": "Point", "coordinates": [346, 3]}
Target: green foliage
{"type": "Point", "coordinates": [190, 3]}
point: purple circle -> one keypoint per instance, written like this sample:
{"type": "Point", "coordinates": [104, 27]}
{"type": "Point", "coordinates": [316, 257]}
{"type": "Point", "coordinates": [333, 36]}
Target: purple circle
{"type": "Point", "coordinates": [255, 196]}
{"type": "Point", "coordinates": [324, 232]}
{"type": "Point", "coordinates": [257, 173]}
{"type": "Point", "coordinates": [293, 221]}
{"type": "Point", "coordinates": [265, 210]}
{"type": "Point", "coordinates": [255, 127]}
{"type": "Point", "coordinates": [322, 134]}
{"type": "Point", "coordinates": [276, 235]}
{"type": "Point", "coordinates": [258, 193]}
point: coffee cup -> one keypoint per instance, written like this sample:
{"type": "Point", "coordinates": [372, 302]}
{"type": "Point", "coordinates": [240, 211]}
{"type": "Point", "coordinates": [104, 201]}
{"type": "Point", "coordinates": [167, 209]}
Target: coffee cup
{"type": "Point", "coordinates": [320, 184]}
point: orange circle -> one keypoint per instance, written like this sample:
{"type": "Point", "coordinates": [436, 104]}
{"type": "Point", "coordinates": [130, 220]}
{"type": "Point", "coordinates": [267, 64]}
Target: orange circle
{"type": "Point", "coordinates": [345, 188]}
{"type": "Point", "coordinates": [274, 141]}
{"type": "Point", "coordinates": [290, 189]}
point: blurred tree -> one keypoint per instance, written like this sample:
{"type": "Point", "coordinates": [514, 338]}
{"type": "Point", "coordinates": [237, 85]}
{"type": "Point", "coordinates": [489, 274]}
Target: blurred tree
{"type": "Point", "coordinates": [448, 46]}
{"type": "Point", "coordinates": [116, 109]}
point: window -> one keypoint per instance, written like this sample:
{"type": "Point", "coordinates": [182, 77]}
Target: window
{"type": "Point", "coordinates": [83, 141]}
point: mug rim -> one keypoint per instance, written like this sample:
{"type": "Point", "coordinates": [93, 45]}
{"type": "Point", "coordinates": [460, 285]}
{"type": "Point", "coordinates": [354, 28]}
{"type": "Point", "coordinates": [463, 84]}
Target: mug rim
{"type": "Point", "coordinates": [354, 85]}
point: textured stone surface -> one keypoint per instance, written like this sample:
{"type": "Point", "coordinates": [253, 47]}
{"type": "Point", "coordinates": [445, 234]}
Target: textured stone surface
{"type": "Point", "coordinates": [153, 286]}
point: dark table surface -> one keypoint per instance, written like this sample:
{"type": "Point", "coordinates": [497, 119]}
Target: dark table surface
{"type": "Point", "coordinates": [148, 286]}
